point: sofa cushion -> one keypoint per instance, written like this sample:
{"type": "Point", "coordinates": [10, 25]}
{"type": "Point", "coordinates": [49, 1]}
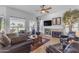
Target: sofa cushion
{"type": "Point", "coordinates": [17, 40]}
{"type": "Point", "coordinates": [11, 35]}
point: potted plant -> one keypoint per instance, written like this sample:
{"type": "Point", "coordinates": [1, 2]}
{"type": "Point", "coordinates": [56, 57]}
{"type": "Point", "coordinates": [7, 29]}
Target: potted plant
{"type": "Point", "coordinates": [70, 17]}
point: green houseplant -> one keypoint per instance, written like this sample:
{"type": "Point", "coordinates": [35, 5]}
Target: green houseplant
{"type": "Point", "coordinates": [70, 17]}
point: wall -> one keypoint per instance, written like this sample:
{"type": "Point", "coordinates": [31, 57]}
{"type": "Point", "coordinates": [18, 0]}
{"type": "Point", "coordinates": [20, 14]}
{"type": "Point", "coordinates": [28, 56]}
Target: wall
{"type": "Point", "coordinates": [49, 17]}
{"type": "Point", "coordinates": [2, 11]}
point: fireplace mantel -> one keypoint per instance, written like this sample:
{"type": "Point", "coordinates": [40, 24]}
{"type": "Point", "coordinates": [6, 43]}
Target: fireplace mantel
{"type": "Point", "coordinates": [57, 30]}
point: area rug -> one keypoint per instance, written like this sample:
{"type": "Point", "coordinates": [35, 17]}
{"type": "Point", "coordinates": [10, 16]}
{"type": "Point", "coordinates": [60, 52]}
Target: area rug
{"type": "Point", "coordinates": [37, 45]}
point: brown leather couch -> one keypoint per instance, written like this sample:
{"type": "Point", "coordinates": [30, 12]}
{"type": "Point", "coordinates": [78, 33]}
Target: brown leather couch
{"type": "Point", "coordinates": [24, 47]}
{"type": "Point", "coordinates": [18, 44]}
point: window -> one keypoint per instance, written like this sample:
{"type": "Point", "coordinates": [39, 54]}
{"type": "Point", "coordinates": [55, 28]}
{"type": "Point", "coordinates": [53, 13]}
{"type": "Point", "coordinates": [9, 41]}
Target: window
{"type": "Point", "coordinates": [32, 25]}
{"type": "Point", "coordinates": [75, 27]}
{"type": "Point", "coordinates": [16, 24]}
{"type": "Point", "coordinates": [66, 28]}
{"type": "Point", "coordinates": [2, 23]}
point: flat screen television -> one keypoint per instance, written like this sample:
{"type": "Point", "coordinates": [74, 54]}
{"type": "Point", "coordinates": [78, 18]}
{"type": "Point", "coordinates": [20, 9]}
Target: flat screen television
{"type": "Point", "coordinates": [48, 23]}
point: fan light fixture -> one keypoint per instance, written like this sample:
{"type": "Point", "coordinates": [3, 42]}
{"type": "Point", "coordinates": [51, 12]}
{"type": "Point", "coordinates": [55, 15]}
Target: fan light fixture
{"type": "Point", "coordinates": [44, 9]}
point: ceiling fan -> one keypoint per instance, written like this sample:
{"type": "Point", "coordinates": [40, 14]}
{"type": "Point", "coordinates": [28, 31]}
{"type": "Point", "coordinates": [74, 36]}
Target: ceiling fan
{"type": "Point", "coordinates": [44, 9]}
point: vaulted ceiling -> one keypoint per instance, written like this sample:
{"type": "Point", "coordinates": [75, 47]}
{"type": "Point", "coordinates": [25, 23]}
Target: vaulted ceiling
{"type": "Point", "coordinates": [32, 8]}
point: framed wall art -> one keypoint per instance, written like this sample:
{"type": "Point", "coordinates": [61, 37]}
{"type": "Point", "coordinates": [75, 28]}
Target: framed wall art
{"type": "Point", "coordinates": [56, 21]}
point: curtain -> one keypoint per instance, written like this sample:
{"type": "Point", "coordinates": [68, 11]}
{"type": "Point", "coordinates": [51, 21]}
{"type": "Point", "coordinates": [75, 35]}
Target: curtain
{"type": "Point", "coordinates": [0, 22]}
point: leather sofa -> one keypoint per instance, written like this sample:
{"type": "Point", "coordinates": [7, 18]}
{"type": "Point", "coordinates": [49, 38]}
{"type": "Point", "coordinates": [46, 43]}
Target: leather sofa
{"type": "Point", "coordinates": [58, 48]}
{"type": "Point", "coordinates": [24, 47]}
{"type": "Point", "coordinates": [72, 48]}
{"type": "Point", "coordinates": [18, 44]}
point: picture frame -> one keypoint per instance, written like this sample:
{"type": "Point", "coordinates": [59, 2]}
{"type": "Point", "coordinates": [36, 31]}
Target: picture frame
{"type": "Point", "coordinates": [56, 21]}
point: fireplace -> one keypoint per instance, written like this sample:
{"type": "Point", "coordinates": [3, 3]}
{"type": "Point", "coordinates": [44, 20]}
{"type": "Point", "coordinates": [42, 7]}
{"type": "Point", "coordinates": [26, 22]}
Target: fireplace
{"type": "Point", "coordinates": [47, 31]}
{"type": "Point", "coordinates": [53, 32]}
{"type": "Point", "coordinates": [56, 34]}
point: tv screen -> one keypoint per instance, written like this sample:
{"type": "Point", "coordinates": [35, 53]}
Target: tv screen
{"type": "Point", "coordinates": [48, 23]}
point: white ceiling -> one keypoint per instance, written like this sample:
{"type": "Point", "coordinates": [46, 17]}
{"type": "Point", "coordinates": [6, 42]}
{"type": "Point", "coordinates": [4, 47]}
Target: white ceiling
{"type": "Point", "coordinates": [32, 8]}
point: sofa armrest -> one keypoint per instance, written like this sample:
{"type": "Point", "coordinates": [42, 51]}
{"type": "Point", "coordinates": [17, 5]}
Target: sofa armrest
{"type": "Point", "coordinates": [58, 50]}
{"type": "Point", "coordinates": [54, 49]}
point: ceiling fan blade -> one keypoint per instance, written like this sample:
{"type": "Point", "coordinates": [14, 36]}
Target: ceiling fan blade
{"type": "Point", "coordinates": [48, 8]}
{"type": "Point", "coordinates": [47, 11]}
{"type": "Point", "coordinates": [44, 9]}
